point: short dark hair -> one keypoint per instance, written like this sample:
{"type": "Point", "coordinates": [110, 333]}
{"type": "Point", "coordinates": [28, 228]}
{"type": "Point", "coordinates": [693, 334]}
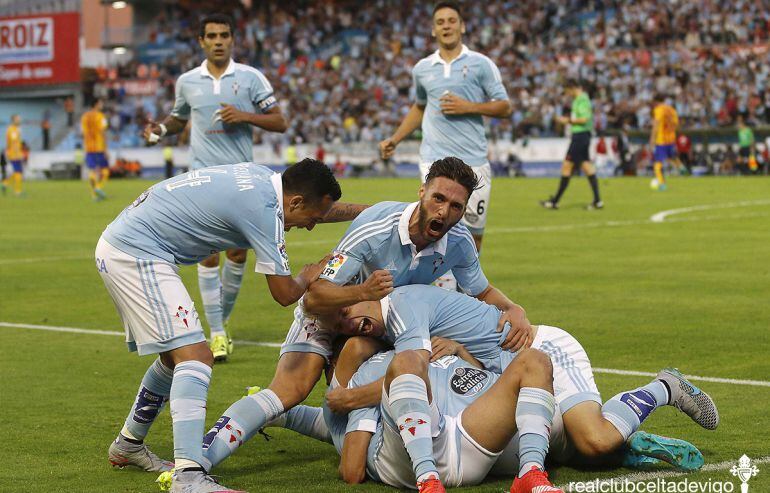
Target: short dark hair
{"type": "Point", "coordinates": [456, 170]}
{"type": "Point", "coordinates": [574, 83]}
{"type": "Point", "coordinates": [447, 4]}
{"type": "Point", "coordinates": [217, 18]}
{"type": "Point", "coordinates": [659, 97]}
{"type": "Point", "coordinates": [312, 179]}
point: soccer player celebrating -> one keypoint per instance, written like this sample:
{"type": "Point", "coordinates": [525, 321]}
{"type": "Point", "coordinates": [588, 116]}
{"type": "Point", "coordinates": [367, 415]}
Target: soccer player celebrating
{"type": "Point", "coordinates": [181, 221]}
{"type": "Point", "coordinates": [225, 100]}
{"type": "Point", "coordinates": [455, 88]}
{"type": "Point", "coordinates": [15, 155]}
{"type": "Point", "coordinates": [389, 244]}
{"type": "Point", "coordinates": [581, 122]}
{"type": "Point", "coordinates": [94, 125]}
{"type": "Point", "coordinates": [663, 137]}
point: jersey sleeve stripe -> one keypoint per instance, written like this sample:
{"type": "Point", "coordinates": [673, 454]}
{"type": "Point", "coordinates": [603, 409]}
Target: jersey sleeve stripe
{"type": "Point", "coordinates": [400, 326]}
{"type": "Point", "coordinates": [354, 236]}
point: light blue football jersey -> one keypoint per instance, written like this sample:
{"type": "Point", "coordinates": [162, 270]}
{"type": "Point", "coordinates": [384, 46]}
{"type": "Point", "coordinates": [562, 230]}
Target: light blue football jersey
{"type": "Point", "coordinates": [455, 385]}
{"type": "Point", "coordinates": [199, 95]}
{"type": "Point", "coordinates": [471, 76]}
{"type": "Point", "coordinates": [415, 313]}
{"type": "Point", "coordinates": [185, 219]}
{"type": "Point", "coordinates": [379, 239]}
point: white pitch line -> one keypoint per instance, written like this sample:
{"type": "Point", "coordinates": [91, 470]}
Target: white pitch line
{"type": "Point", "coordinates": [637, 477]}
{"type": "Point", "coordinates": [661, 216]}
{"type": "Point", "coordinates": [755, 383]}
{"type": "Point", "coordinates": [77, 330]}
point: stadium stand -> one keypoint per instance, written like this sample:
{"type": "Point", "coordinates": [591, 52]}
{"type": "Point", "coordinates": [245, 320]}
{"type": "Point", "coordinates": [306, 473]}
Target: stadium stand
{"type": "Point", "coordinates": [342, 69]}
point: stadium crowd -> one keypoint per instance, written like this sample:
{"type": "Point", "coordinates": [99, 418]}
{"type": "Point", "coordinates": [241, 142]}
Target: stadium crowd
{"type": "Point", "coordinates": [342, 70]}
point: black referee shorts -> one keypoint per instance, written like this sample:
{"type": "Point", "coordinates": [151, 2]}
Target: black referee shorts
{"type": "Point", "coordinates": [579, 146]}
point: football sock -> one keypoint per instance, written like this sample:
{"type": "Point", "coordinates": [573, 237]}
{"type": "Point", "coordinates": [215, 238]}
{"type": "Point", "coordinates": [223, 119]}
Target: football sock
{"type": "Point", "coordinates": [232, 276]}
{"type": "Point", "coordinates": [658, 167]}
{"type": "Point", "coordinates": [534, 415]}
{"type": "Point", "coordinates": [105, 176]}
{"type": "Point", "coordinates": [408, 400]}
{"type": "Point", "coordinates": [594, 187]}
{"type": "Point", "coordinates": [627, 410]}
{"type": "Point", "coordinates": [563, 183]}
{"type": "Point", "coordinates": [308, 421]}
{"type": "Point", "coordinates": [153, 394]}
{"type": "Point", "coordinates": [211, 294]}
{"type": "Point", "coordinates": [189, 390]}
{"type": "Point", "coordinates": [239, 423]}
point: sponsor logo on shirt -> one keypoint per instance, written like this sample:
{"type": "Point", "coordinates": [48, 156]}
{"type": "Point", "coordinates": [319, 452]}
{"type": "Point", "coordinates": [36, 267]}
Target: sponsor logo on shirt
{"type": "Point", "coordinates": [334, 264]}
{"type": "Point", "coordinates": [468, 381]}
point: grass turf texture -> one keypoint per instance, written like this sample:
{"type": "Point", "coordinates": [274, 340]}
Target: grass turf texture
{"type": "Point", "coordinates": [638, 295]}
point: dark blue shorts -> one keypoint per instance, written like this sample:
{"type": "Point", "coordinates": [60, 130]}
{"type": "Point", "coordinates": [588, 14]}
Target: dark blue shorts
{"type": "Point", "coordinates": [664, 153]}
{"type": "Point", "coordinates": [16, 165]}
{"type": "Point", "coordinates": [95, 160]}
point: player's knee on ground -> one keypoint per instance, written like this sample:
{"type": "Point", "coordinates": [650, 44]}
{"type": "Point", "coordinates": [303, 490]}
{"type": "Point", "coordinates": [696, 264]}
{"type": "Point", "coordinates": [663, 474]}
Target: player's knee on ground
{"type": "Point", "coordinates": [237, 255]}
{"type": "Point", "coordinates": [407, 362]}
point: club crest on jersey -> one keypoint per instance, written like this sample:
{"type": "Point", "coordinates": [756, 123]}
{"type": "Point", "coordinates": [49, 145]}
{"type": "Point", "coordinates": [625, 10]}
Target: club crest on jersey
{"type": "Point", "coordinates": [334, 264]}
{"type": "Point", "coordinates": [468, 381]}
{"type": "Point", "coordinates": [236, 86]}
{"type": "Point", "coordinates": [465, 71]}
{"type": "Point", "coordinates": [437, 263]}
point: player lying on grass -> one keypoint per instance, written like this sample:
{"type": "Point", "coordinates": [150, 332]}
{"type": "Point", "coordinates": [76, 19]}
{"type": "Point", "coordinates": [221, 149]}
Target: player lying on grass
{"type": "Point", "coordinates": [454, 387]}
{"type": "Point", "coordinates": [181, 221]}
{"type": "Point", "coordinates": [390, 244]}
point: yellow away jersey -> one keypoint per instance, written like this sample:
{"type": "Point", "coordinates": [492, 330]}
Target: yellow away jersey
{"type": "Point", "coordinates": [668, 121]}
{"type": "Point", "coordinates": [94, 124]}
{"type": "Point", "coordinates": [13, 151]}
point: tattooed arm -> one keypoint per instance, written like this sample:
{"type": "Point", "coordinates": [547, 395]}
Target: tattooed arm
{"type": "Point", "coordinates": [342, 211]}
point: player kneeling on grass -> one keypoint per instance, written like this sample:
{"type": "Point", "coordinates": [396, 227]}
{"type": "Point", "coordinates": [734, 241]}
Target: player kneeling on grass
{"type": "Point", "coordinates": [181, 221]}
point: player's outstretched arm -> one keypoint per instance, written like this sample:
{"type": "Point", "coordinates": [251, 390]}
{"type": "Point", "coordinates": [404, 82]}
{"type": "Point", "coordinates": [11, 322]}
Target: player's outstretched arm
{"type": "Point", "coordinates": [325, 297]}
{"type": "Point", "coordinates": [411, 122]}
{"type": "Point", "coordinates": [353, 460]}
{"type": "Point", "coordinates": [171, 125]}
{"type": "Point", "coordinates": [287, 290]}
{"type": "Point", "coordinates": [521, 331]}
{"type": "Point", "coordinates": [342, 211]}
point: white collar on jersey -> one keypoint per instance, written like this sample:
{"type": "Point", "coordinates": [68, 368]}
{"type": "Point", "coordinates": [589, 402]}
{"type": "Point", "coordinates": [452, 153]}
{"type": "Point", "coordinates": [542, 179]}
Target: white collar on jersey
{"type": "Point", "coordinates": [228, 71]}
{"type": "Point", "coordinates": [436, 58]}
{"type": "Point", "coordinates": [403, 233]}
{"type": "Point", "coordinates": [275, 179]}
{"type": "Point", "coordinates": [385, 306]}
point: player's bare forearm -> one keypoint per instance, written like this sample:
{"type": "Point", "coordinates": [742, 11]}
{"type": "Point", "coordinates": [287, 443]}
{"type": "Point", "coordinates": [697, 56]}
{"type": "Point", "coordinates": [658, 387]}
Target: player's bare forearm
{"type": "Point", "coordinates": [285, 289]}
{"type": "Point", "coordinates": [493, 296]}
{"type": "Point", "coordinates": [325, 297]}
{"type": "Point", "coordinates": [272, 121]}
{"type": "Point", "coordinates": [368, 395]}
{"type": "Point", "coordinates": [174, 125]}
{"type": "Point", "coordinates": [463, 354]}
{"type": "Point", "coordinates": [343, 211]}
{"type": "Point", "coordinates": [494, 109]}
{"type": "Point", "coordinates": [411, 122]}
{"type": "Point", "coordinates": [353, 456]}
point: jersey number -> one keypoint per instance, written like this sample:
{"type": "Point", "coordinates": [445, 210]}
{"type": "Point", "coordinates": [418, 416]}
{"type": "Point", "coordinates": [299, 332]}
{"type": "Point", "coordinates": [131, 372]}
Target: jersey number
{"type": "Point", "coordinates": [480, 208]}
{"type": "Point", "coordinates": [194, 179]}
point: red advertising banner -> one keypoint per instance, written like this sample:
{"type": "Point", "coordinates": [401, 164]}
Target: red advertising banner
{"type": "Point", "coordinates": [39, 49]}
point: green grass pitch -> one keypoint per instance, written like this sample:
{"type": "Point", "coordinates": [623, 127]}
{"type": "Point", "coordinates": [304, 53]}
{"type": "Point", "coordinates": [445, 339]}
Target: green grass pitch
{"type": "Point", "coordinates": [691, 291]}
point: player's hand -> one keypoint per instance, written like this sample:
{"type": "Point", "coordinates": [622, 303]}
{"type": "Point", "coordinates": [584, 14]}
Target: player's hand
{"type": "Point", "coordinates": [451, 104]}
{"type": "Point", "coordinates": [443, 347]}
{"type": "Point", "coordinates": [151, 128]}
{"type": "Point", "coordinates": [337, 400]}
{"type": "Point", "coordinates": [564, 120]}
{"type": "Point", "coordinates": [310, 272]}
{"type": "Point", "coordinates": [387, 148]}
{"type": "Point", "coordinates": [377, 286]}
{"type": "Point", "coordinates": [230, 114]}
{"type": "Point", "coordinates": [521, 331]}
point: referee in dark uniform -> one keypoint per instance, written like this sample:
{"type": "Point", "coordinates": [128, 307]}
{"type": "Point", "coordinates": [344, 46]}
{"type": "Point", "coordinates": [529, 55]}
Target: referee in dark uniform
{"type": "Point", "coordinates": [581, 122]}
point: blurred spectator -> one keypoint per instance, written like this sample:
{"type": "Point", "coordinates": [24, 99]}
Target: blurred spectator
{"type": "Point", "coordinates": [684, 150]}
{"type": "Point", "coordinates": [45, 128]}
{"type": "Point", "coordinates": [69, 109]}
